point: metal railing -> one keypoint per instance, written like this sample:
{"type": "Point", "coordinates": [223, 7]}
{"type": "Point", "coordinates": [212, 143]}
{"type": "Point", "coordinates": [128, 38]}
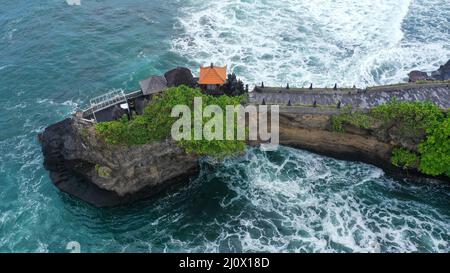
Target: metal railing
{"type": "Point", "coordinates": [109, 99]}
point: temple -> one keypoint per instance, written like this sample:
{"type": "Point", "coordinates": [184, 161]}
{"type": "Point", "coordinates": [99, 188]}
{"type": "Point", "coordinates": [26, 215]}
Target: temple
{"type": "Point", "coordinates": [212, 78]}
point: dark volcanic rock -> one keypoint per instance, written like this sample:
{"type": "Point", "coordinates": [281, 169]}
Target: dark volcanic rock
{"type": "Point", "coordinates": [442, 74]}
{"type": "Point", "coordinates": [416, 75]}
{"type": "Point", "coordinates": [179, 76]}
{"type": "Point", "coordinates": [109, 175]}
{"type": "Point", "coordinates": [105, 175]}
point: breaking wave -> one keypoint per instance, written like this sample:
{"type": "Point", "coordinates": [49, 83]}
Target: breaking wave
{"type": "Point", "coordinates": [288, 201]}
{"type": "Point", "coordinates": [295, 201]}
{"type": "Point", "coordinates": [349, 42]}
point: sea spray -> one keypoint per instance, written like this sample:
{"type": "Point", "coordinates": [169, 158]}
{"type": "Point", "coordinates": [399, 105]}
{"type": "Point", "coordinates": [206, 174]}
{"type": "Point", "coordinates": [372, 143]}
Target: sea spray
{"type": "Point", "coordinates": [359, 43]}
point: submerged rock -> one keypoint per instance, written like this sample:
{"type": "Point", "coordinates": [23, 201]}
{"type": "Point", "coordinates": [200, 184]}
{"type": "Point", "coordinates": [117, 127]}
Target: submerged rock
{"type": "Point", "coordinates": [108, 175]}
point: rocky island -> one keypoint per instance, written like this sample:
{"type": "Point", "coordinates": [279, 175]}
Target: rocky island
{"type": "Point", "coordinates": [338, 122]}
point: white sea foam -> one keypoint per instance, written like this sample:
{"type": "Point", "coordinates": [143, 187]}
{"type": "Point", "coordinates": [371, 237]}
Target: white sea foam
{"type": "Point", "coordinates": [343, 41]}
{"type": "Point", "coordinates": [73, 2]}
{"type": "Point", "coordinates": [4, 66]}
{"type": "Point", "coordinates": [21, 105]}
{"type": "Point", "coordinates": [299, 202]}
{"type": "Point", "coordinates": [62, 108]}
{"type": "Point", "coordinates": [322, 208]}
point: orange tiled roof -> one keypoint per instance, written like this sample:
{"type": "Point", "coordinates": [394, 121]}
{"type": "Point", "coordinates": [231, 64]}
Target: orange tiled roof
{"type": "Point", "coordinates": [213, 75]}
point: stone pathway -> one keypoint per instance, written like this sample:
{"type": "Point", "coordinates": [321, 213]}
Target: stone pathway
{"type": "Point", "coordinates": [439, 94]}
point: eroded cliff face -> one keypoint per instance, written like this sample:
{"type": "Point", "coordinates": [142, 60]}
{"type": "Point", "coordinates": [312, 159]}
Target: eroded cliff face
{"type": "Point", "coordinates": [311, 129]}
{"type": "Point", "coordinates": [108, 175]}
{"type": "Point", "coordinates": [105, 175]}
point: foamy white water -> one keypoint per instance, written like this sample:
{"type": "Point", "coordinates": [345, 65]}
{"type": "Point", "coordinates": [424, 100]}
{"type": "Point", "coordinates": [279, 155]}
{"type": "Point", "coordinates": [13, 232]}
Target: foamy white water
{"type": "Point", "coordinates": [54, 57]}
{"type": "Point", "coordinates": [348, 42]}
{"type": "Point", "coordinates": [317, 204]}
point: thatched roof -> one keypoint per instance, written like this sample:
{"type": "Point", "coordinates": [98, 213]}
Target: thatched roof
{"type": "Point", "coordinates": [152, 85]}
{"type": "Point", "coordinates": [179, 76]}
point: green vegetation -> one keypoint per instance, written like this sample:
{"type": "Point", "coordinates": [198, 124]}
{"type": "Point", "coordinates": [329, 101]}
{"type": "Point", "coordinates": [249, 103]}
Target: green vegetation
{"type": "Point", "coordinates": [357, 119]}
{"type": "Point", "coordinates": [404, 158]}
{"type": "Point", "coordinates": [103, 172]}
{"type": "Point", "coordinates": [435, 150]}
{"type": "Point", "coordinates": [156, 124]}
{"type": "Point", "coordinates": [423, 120]}
{"type": "Point", "coordinates": [216, 148]}
{"type": "Point", "coordinates": [413, 117]}
{"type": "Point", "coordinates": [430, 82]}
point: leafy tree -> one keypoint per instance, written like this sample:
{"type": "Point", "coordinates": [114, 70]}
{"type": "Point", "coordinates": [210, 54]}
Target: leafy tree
{"type": "Point", "coordinates": [404, 158]}
{"type": "Point", "coordinates": [435, 150]}
{"type": "Point", "coordinates": [233, 86]}
{"type": "Point", "coordinates": [413, 116]}
{"type": "Point", "coordinates": [216, 148]}
{"type": "Point", "coordinates": [413, 119]}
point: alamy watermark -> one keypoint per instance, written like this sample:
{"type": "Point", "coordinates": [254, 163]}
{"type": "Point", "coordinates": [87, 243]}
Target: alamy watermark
{"type": "Point", "coordinates": [234, 119]}
{"type": "Point", "coordinates": [73, 247]}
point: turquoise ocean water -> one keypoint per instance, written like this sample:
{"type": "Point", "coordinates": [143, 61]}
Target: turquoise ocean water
{"type": "Point", "coordinates": [54, 57]}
